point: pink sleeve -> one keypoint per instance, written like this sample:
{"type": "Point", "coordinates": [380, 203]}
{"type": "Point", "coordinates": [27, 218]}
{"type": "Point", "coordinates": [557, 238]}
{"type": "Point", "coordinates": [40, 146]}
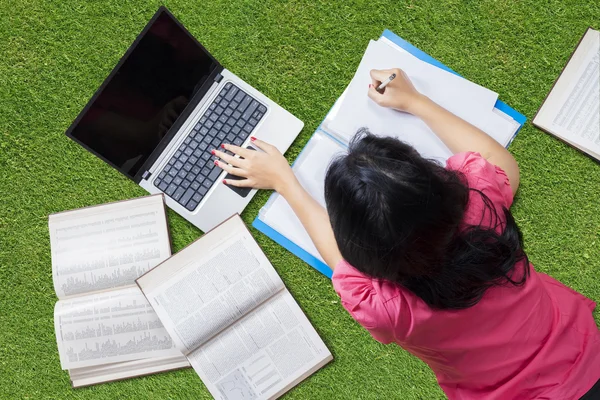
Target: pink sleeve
{"type": "Point", "coordinates": [484, 176]}
{"type": "Point", "coordinates": [361, 299]}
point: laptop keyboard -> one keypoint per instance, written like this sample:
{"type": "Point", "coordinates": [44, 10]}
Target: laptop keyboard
{"type": "Point", "coordinates": [191, 171]}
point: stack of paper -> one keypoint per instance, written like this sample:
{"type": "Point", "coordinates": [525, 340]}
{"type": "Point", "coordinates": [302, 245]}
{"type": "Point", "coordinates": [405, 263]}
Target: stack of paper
{"type": "Point", "coordinates": [354, 110]}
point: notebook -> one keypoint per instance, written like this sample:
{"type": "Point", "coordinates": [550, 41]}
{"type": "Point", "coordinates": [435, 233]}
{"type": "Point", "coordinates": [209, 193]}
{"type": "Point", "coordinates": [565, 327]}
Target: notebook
{"type": "Point", "coordinates": [105, 328]}
{"type": "Point", "coordinates": [352, 110]}
{"type": "Point", "coordinates": [230, 314]}
{"type": "Point", "coordinates": [571, 111]}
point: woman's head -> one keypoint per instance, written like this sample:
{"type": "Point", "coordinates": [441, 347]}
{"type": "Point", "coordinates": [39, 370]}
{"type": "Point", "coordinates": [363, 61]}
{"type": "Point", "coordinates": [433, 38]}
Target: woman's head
{"type": "Point", "coordinates": [398, 216]}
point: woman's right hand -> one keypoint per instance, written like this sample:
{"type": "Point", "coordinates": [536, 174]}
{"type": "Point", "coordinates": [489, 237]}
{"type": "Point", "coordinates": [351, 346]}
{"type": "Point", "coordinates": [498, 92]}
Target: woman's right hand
{"type": "Point", "coordinates": [399, 94]}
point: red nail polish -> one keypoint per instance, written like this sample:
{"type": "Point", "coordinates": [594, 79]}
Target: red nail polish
{"type": "Point", "coordinates": [370, 85]}
{"type": "Point", "coordinates": [212, 151]}
{"type": "Point", "coordinates": [216, 162]}
{"type": "Point", "coordinates": [252, 138]}
{"type": "Point", "coordinates": [224, 181]}
{"type": "Point", "coordinates": [223, 146]}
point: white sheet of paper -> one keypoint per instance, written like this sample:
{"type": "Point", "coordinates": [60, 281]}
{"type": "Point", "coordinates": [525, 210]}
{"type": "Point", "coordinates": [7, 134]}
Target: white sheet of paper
{"type": "Point", "coordinates": [456, 94]}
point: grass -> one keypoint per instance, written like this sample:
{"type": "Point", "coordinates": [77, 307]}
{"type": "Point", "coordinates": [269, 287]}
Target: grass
{"type": "Point", "coordinates": [54, 54]}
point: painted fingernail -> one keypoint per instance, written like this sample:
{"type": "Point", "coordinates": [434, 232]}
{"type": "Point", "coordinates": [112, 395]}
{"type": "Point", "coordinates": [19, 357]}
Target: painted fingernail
{"type": "Point", "coordinates": [252, 138]}
{"type": "Point", "coordinates": [212, 151]}
{"type": "Point", "coordinates": [370, 85]}
{"type": "Point", "coordinates": [225, 181]}
{"type": "Point", "coordinates": [216, 162]}
{"type": "Point", "coordinates": [223, 146]}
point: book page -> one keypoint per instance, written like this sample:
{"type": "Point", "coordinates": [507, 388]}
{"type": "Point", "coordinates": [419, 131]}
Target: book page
{"type": "Point", "coordinates": [109, 327]}
{"type": "Point", "coordinates": [262, 355]}
{"type": "Point", "coordinates": [87, 376]}
{"type": "Point", "coordinates": [218, 279]}
{"type": "Point", "coordinates": [572, 109]}
{"type": "Point", "coordinates": [107, 246]}
{"type": "Point", "coordinates": [310, 169]}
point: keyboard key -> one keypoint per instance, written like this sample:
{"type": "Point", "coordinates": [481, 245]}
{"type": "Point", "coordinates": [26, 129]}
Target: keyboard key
{"type": "Point", "coordinates": [202, 190]}
{"type": "Point", "coordinates": [178, 193]}
{"type": "Point", "coordinates": [172, 160]}
{"type": "Point", "coordinates": [240, 123]}
{"type": "Point", "coordinates": [187, 196]}
{"type": "Point", "coordinates": [252, 122]}
{"type": "Point", "coordinates": [207, 184]}
{"type": "Point", "coordinates": [194, 159]}
{"type": "Point", "coordinates": [162, 175]}
{"type": "Point", "coordinates": [196, 170]}
{"type": "Point", "coordinates": [187, 166]}
{"type": "Point", "coordinates": [262, 109]}
{"type": "Point", "coordinates": [187, 140]}
{"type": "Point", "coordinates": [219, 110]}
{"type": "Point", "coordinates": [234, 104]}
{"type": "Point", "coordinates": [216, 142]}
{"type": "Point", "coordinates": [223, 119]}
{"type": "Point", "coordinates": [186, 184]}
{"type": "Point", "coordinates": [248, 128]}
{"type": "Point", "coordinates": [194, 144]}
{"type": "Point", "coordinates": [244, 104]}
{"type": "Point", "coordinates": [203, 131]}
{"type": "Point", "coordinates": [205, 171]}
{"type": "Point", "coordinates": [171, 189]}
{"type": "Point", "coordinates": [238, 142]}
{"type": "Point", "coordinates": [228, 111]}
{"type": "Point", "coordinates": [168, 179]}
{"type": "Point", "coordinates": [172, 172]}
{"type": "Point", "coordinates": [213, 132]}
{"type": "Point", "coordinates": [226, 128]}
{"type": "Point", "coordinates": [215, 174]}
{"type": "Point", "coordinates": [197, 197]}
{"type": "Point", "coordinates": [228, 85]}
{"type": "Point", "coordinates": [230, 137]}
{"type": "Point", "coordinates": [232, 92]}
{"type": "Point", "coordinates": [212, 107]}
{"type": "Point", "coordinates": [239, 96]}
{"type": "Point", "coordinates": [177, 181]}
{"type": "Point", "coordinates": [250, 110]}
{"type": "Point", "coordinates": [191, 205]}
{"type": "Point", "coordinates": [163, 186]}
{"type": "Point", "coordinates": [157, 182]}
{"type": "Point", "coordinates": [183, 158]}
{"type": "Point", "coordinates": [209, 124]}
{"type": "Point", "coordinates": [236, 115]}
{"type": "Point", "coordinates": [188, 151]}
{"type": "Point", "coordinates": [232, 121]}
{"type": "Point", "coordinates": [178, 165]}
{"type": "Point", "coordinates": [221, 135]}
{"type": "Point", "coordinates": [182, 174]}
{"type": "Point", "coordinates": [213, 117]}
{"type": "Point", "coordinates": [205, 156]}
{"type": "Point", "coordinates": [236, 130]}
{"type": "Point", "coordinates": [195, 185]}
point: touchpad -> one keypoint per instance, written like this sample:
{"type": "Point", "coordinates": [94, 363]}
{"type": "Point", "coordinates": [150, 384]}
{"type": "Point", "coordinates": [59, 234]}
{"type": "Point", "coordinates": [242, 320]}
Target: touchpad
{"type": "Point", "coordinates": [242, 191]}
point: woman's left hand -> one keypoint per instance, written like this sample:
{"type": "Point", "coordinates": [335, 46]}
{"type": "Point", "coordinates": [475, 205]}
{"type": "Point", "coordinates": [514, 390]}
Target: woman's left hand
{"type": "Point", "coordinates": [266, 169]}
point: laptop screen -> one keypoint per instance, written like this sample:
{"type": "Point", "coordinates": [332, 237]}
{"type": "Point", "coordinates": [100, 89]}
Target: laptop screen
{"type": "Point", "coordinates": [144, 95]}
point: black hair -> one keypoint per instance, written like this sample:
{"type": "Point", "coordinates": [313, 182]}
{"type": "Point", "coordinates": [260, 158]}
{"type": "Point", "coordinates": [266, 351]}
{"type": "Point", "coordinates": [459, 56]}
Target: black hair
{"type": "Point", "coordinates": [398, 216]}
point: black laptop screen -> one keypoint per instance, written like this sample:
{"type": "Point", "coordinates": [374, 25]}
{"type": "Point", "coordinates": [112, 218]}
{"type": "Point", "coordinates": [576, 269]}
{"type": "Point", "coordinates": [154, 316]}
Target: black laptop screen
{"type": "Point", "coordinates": [144, 96]}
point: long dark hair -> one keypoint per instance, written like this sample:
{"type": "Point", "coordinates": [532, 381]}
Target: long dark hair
{"type": "Point", "coordinates": [398, 216]}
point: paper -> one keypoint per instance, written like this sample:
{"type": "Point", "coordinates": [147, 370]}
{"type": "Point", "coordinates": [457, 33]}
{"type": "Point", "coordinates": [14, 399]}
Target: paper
{"type": "Point", "coordinates": [107, 246]}
{"type": "Point", "coordinates": [110, 327]}
{"type": "Point", "coordinates": [245, 336]}
{"type": "Point", "coordinates": [262, 353]}
{"type": "Point", "coordinates": [465, 99]}
{"type": "Point", "coordinates": [214, 292]}
{"type": "Point", "coordinates": [310, 169]}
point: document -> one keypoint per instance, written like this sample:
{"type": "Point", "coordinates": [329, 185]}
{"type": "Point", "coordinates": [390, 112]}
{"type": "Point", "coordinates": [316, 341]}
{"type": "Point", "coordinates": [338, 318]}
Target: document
{"type": "Point", "coordinates": [105, 328]}
{"type": "Point", "coordinates": [571, 111]}
{"type": "Point", "coordinates": [228, 311]}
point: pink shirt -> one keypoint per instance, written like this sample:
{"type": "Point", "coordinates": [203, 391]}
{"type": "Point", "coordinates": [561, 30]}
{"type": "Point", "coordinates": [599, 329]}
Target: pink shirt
{"type": "Point", "coordinates": [537, 341]}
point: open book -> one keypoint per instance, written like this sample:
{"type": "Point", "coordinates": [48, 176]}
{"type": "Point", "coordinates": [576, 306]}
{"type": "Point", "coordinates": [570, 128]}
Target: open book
{"type": "Point", "coordinates": [105, 328]}
{"type": "Point", "coordinates": [228, 311]}
{"type": "Point", "coordinates": [571, 111]}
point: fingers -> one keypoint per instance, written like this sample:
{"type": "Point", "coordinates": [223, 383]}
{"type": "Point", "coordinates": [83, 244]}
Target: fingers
{"type": "Point", "coordinates": [264, 146]}
{"type": "Point", "coordinates": [231, 169]}
{"type": "Point", "coordinates": [235, 161]}
{"type": "Point", "coordinates": [240, 151]}
{"type": "Point", "coordinates": [381, 74]}
{"type": "Point", "coordinates": [238, 183]}
{"type": "Point", "coordinates": [377, 97]}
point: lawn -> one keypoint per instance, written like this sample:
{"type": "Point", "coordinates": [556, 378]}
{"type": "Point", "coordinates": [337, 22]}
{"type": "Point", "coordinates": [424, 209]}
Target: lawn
{"type": "Point", "coordinates": [53, 56]}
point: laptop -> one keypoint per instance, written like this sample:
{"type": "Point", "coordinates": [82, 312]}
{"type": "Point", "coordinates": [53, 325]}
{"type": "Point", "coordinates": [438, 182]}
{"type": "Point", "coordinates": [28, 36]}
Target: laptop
{"type": "Point", "coordinates": [161, 111]}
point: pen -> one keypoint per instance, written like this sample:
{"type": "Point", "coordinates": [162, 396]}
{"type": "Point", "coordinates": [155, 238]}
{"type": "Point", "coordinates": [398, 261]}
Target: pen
{"type": "Point", "coordinates": [386, 82]}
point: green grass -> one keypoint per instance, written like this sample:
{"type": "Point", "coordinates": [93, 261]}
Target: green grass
{"type": "Point", "coordinates": [53, 56]}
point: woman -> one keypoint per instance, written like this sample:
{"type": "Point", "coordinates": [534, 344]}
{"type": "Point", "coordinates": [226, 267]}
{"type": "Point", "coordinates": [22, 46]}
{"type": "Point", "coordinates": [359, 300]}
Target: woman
{"type": "Point", "coordinates": [431, 258]}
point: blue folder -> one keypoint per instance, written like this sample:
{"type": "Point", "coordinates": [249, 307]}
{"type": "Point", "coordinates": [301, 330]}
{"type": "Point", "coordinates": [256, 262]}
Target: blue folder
{"type": "Point", "coordinates": [306, 256]}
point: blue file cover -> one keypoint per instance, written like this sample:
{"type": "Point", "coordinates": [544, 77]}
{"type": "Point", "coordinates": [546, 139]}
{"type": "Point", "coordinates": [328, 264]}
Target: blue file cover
{"type": "Point", "coordinates": [306, 256]}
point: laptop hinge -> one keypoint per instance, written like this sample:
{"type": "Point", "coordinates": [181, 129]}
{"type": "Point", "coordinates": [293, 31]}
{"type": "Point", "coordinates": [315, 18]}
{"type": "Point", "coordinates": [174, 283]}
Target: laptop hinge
{"type": "Point", "coordinates": [218, 78]}
{"type": "Point", "coordinates": [146, 174]}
